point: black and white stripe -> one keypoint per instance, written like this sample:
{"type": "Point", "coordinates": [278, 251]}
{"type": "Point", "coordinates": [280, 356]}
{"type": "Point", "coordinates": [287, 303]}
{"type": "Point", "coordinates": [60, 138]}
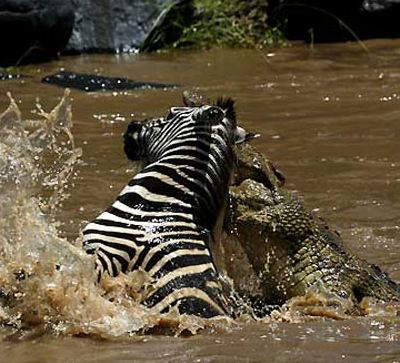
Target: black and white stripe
{"type": "Point", "coordinates": [162, 220]}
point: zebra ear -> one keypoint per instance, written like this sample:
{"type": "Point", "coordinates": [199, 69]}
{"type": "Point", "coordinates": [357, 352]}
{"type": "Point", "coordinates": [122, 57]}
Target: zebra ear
{"type": "Point", "coordinates": [133, 146]}
{"type": "Point", "coordinates": [241, 135]}
{"type": "Point", "coordinates": [228, 105]}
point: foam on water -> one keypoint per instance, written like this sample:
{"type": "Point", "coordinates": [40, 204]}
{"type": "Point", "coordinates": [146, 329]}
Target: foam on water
{"type": "Point", "coordinates": [46, 282]}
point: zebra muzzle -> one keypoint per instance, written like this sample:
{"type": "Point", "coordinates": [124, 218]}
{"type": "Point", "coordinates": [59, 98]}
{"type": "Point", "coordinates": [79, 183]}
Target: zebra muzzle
{"type": "Point", "coordinates": [241, 135]}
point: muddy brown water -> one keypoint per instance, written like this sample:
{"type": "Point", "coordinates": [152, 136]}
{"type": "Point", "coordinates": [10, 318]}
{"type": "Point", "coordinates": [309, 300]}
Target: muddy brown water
{"type": "Point", "coordinates": [329, 117]}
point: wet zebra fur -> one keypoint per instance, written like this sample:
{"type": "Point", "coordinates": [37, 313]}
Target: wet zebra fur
{"type": "Point", "coordinates": [161, 222]}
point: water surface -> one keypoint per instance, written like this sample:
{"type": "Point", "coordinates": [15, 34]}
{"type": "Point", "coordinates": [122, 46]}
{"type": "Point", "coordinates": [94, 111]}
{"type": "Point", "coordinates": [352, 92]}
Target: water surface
{"type": "Point", "coordinates": [329, 118]}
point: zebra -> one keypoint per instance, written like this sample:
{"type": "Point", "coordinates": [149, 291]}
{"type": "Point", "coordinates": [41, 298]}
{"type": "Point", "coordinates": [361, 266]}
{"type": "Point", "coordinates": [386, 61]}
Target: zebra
{"type": "Point", "coordinates": [162, 221]}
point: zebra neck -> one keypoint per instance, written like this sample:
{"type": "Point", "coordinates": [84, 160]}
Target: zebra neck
{"type": "Point", "coordinates": [186, 185]}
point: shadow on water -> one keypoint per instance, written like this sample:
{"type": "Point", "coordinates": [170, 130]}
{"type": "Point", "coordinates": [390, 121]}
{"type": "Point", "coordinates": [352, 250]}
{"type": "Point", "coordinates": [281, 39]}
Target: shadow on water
{"type": "Point", "coordinates": [329, 119]}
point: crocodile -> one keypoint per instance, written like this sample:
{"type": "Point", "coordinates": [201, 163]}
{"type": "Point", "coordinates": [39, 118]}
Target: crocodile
{"type": "Point", "coordinates": [274, 249]}
{"type": "Point", "coordinates": [288, 250]}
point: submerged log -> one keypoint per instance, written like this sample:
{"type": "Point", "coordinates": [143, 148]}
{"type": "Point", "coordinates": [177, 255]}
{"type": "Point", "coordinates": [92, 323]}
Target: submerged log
{"type": "Point", "coordinates": [5, 76]}
{"type": "Point", "coordinates": [94, 83]}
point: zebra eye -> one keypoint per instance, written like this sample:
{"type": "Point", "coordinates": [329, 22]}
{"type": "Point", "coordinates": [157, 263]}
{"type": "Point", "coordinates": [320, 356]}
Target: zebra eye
{"type": "Point", "coordinates": [210, 114]}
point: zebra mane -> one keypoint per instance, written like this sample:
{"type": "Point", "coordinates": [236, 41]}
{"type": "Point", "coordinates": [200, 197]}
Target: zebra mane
{"type": "Point", "coordinates": [228, 105]}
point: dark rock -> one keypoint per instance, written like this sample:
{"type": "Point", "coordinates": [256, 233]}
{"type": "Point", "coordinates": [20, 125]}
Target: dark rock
{"type": "Point", "coordinates": [336, 20]}
{"type": "Point", "coordinates": [33, 30]}
{"type": "Point", "coordinates": [112, 25]}
{"type": "Point", "coordinates": [170, 25]}
{"type": "Point", "coordinates": [93, 83]}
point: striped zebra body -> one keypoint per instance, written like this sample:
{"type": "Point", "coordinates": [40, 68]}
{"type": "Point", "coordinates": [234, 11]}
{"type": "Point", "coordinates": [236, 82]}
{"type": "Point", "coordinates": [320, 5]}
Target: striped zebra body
{"type": "Point", "coordinates": [162, 220]}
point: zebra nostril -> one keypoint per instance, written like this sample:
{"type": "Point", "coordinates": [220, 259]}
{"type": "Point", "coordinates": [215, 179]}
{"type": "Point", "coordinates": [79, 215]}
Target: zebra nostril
{"type": "Point", "coordinates": [211, 114]}
{"type": "Point", "coordinates": [132, 145]}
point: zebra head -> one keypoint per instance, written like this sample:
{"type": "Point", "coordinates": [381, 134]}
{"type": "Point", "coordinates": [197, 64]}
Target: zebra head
{"type": "Point", "coordinates": [150, 138]}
